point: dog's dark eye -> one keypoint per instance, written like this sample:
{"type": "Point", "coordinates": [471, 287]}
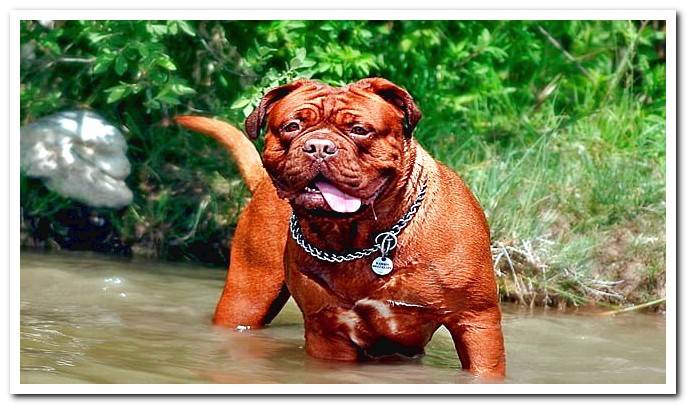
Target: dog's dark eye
{"type": "Point", "coordinates": [291, 127]}
{"type": "Point", "coordinates": [359, 130]}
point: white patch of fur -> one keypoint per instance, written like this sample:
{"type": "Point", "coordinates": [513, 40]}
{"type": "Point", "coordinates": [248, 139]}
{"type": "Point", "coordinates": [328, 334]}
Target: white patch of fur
{"type": "Point", "coordinates": [348, 318]}
{"type": "Point", "coordinates": [379, 306]}
{"type": "Point", "coordinates": [383, 310]}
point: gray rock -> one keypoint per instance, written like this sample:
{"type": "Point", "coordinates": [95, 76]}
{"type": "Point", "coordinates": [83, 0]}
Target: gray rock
{"type": "Point", "coordinates": [78, 155]}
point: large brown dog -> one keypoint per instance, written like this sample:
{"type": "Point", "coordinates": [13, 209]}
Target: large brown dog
{"type": "Point", "coordinates": [346, 162]}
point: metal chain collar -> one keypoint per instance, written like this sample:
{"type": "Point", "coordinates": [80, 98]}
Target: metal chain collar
{"type": "Point", "coordinates": [384, 242]}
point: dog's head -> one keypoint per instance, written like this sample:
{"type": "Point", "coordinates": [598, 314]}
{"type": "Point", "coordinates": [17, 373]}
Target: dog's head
{"type": "Point", "coordinates": [333, 151]}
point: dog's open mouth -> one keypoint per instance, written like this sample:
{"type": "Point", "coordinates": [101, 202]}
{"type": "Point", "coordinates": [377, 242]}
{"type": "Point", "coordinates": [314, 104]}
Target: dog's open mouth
{"type": "Point", "coordinates": [321, 194]}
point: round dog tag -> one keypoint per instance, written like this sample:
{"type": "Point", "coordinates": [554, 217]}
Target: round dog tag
{"type": "Point", "coordinates": [382, 266]}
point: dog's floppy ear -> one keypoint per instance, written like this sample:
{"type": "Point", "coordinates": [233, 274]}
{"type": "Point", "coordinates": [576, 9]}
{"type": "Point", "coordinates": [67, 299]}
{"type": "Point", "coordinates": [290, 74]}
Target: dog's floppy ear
{"type": "Point", "coordinates": [396, 96]}
{"type": "Point", "coordinates": [256, 120]}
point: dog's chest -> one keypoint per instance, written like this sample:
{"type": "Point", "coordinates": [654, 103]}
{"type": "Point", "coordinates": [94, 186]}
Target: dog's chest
{"type": "Point", "coordinates": [380, 315]}
{"type": "Point", "coordinates": [378, 326]}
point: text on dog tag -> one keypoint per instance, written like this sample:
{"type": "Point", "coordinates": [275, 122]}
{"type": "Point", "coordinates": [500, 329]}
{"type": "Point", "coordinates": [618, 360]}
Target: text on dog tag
{"type": "Point", "coordinates": [382, 266]}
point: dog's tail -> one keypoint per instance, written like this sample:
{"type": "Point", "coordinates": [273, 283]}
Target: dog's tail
{"type": "Point", "coordinates": [239, 146]}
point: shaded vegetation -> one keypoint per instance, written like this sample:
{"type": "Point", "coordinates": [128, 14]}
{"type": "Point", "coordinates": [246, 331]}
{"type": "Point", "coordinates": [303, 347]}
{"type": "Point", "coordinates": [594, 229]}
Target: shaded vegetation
{"type": "Point", "coordinates": [558, 127]}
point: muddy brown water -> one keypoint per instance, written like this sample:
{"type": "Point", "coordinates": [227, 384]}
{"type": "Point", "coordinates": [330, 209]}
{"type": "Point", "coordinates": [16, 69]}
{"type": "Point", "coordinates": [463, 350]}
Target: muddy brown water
{"type": "Point", "coordinates": [93, 319]}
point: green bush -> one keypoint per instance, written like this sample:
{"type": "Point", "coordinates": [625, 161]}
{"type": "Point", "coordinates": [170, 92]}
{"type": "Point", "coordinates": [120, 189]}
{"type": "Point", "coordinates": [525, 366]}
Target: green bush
{"type": "Point", "coordinates": [558, 126]}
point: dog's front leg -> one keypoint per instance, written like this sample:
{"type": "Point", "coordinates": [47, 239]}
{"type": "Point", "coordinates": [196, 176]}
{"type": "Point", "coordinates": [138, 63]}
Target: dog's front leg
{"type": "Point", "coordinates": [479, 342]}
{"type": "Point", "coordinates": [255, 290]}
{"type": "Point", "coordinates": [249, 301]}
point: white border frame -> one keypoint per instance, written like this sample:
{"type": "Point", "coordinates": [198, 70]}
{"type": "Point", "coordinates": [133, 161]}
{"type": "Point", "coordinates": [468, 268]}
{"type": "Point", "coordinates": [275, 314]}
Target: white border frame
{"type": "Point", "coordinates": [671, 209]}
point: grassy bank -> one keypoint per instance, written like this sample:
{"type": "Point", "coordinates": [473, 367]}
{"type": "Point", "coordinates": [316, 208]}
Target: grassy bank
{"type": "Point", "coordinates": [558, 127]}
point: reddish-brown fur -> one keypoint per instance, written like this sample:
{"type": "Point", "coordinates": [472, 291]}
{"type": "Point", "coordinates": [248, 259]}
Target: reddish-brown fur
{"type": "Point", "coordinates": [442, 266]}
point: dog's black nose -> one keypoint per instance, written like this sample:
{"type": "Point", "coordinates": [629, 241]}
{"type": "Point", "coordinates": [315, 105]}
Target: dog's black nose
{"type": "Point", "coordinates": [320, 148]}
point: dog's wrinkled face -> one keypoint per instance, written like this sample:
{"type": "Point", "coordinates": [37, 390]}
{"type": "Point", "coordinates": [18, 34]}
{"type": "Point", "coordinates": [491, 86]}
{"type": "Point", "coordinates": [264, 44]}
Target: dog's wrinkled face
{"type": "Point", "coordinates": [332, 151]}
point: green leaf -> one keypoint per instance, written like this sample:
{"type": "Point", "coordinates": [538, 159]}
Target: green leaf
{"type": "Point", "coordinates": [116, 93]}
{"type": "Point", "coordinates": [484, 38]}
{"type": "Point", "coordinates": [247, 110]}
{"type": "Point", "coordinates": [153, 104]}
{"type": "Point", "coordinates": [53, 47]}
{"type": "Point", "coordinates": [240, 103]}
{"type": "Point", "coordinates": [295, 63]}
{"type": "Point", "coordinates": [324, 66]}
{"type": "Point", "coordinates": [101, 65]}
{"type": "Point", "coordinates": [186, 27]}
{"type": "Point", "coordinates": [384, 29]}
{"type": "Point", "coordinates": [168, 98]}
{"type": "Point", "coordinates": [121, 65]}
{"type": "Point", "coordinates": [307, 63]}
{"type": "Point", "coordinates": [166, 63]}
{"type": "Point", "coordinates": [181, 89]}
{"type": "Point", "coordinates": [144, 50]}
{"type": "Point", "coordinates": [157, 29]}
{"type": "Point", "coordinates": [406, 44]}
{"type": "Point", "coordinates": [94, 37]}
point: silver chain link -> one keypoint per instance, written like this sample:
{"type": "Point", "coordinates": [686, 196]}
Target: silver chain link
{"type": "Point", "coordinates": [384, 242]}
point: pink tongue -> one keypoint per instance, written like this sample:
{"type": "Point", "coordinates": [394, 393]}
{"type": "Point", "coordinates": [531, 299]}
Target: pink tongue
{"type": "Point", "coordinates": [337, 199]}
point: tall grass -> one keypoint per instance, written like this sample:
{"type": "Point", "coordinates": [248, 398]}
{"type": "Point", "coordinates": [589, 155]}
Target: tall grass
{"type": "Point", "coordinates": [556, 202]}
